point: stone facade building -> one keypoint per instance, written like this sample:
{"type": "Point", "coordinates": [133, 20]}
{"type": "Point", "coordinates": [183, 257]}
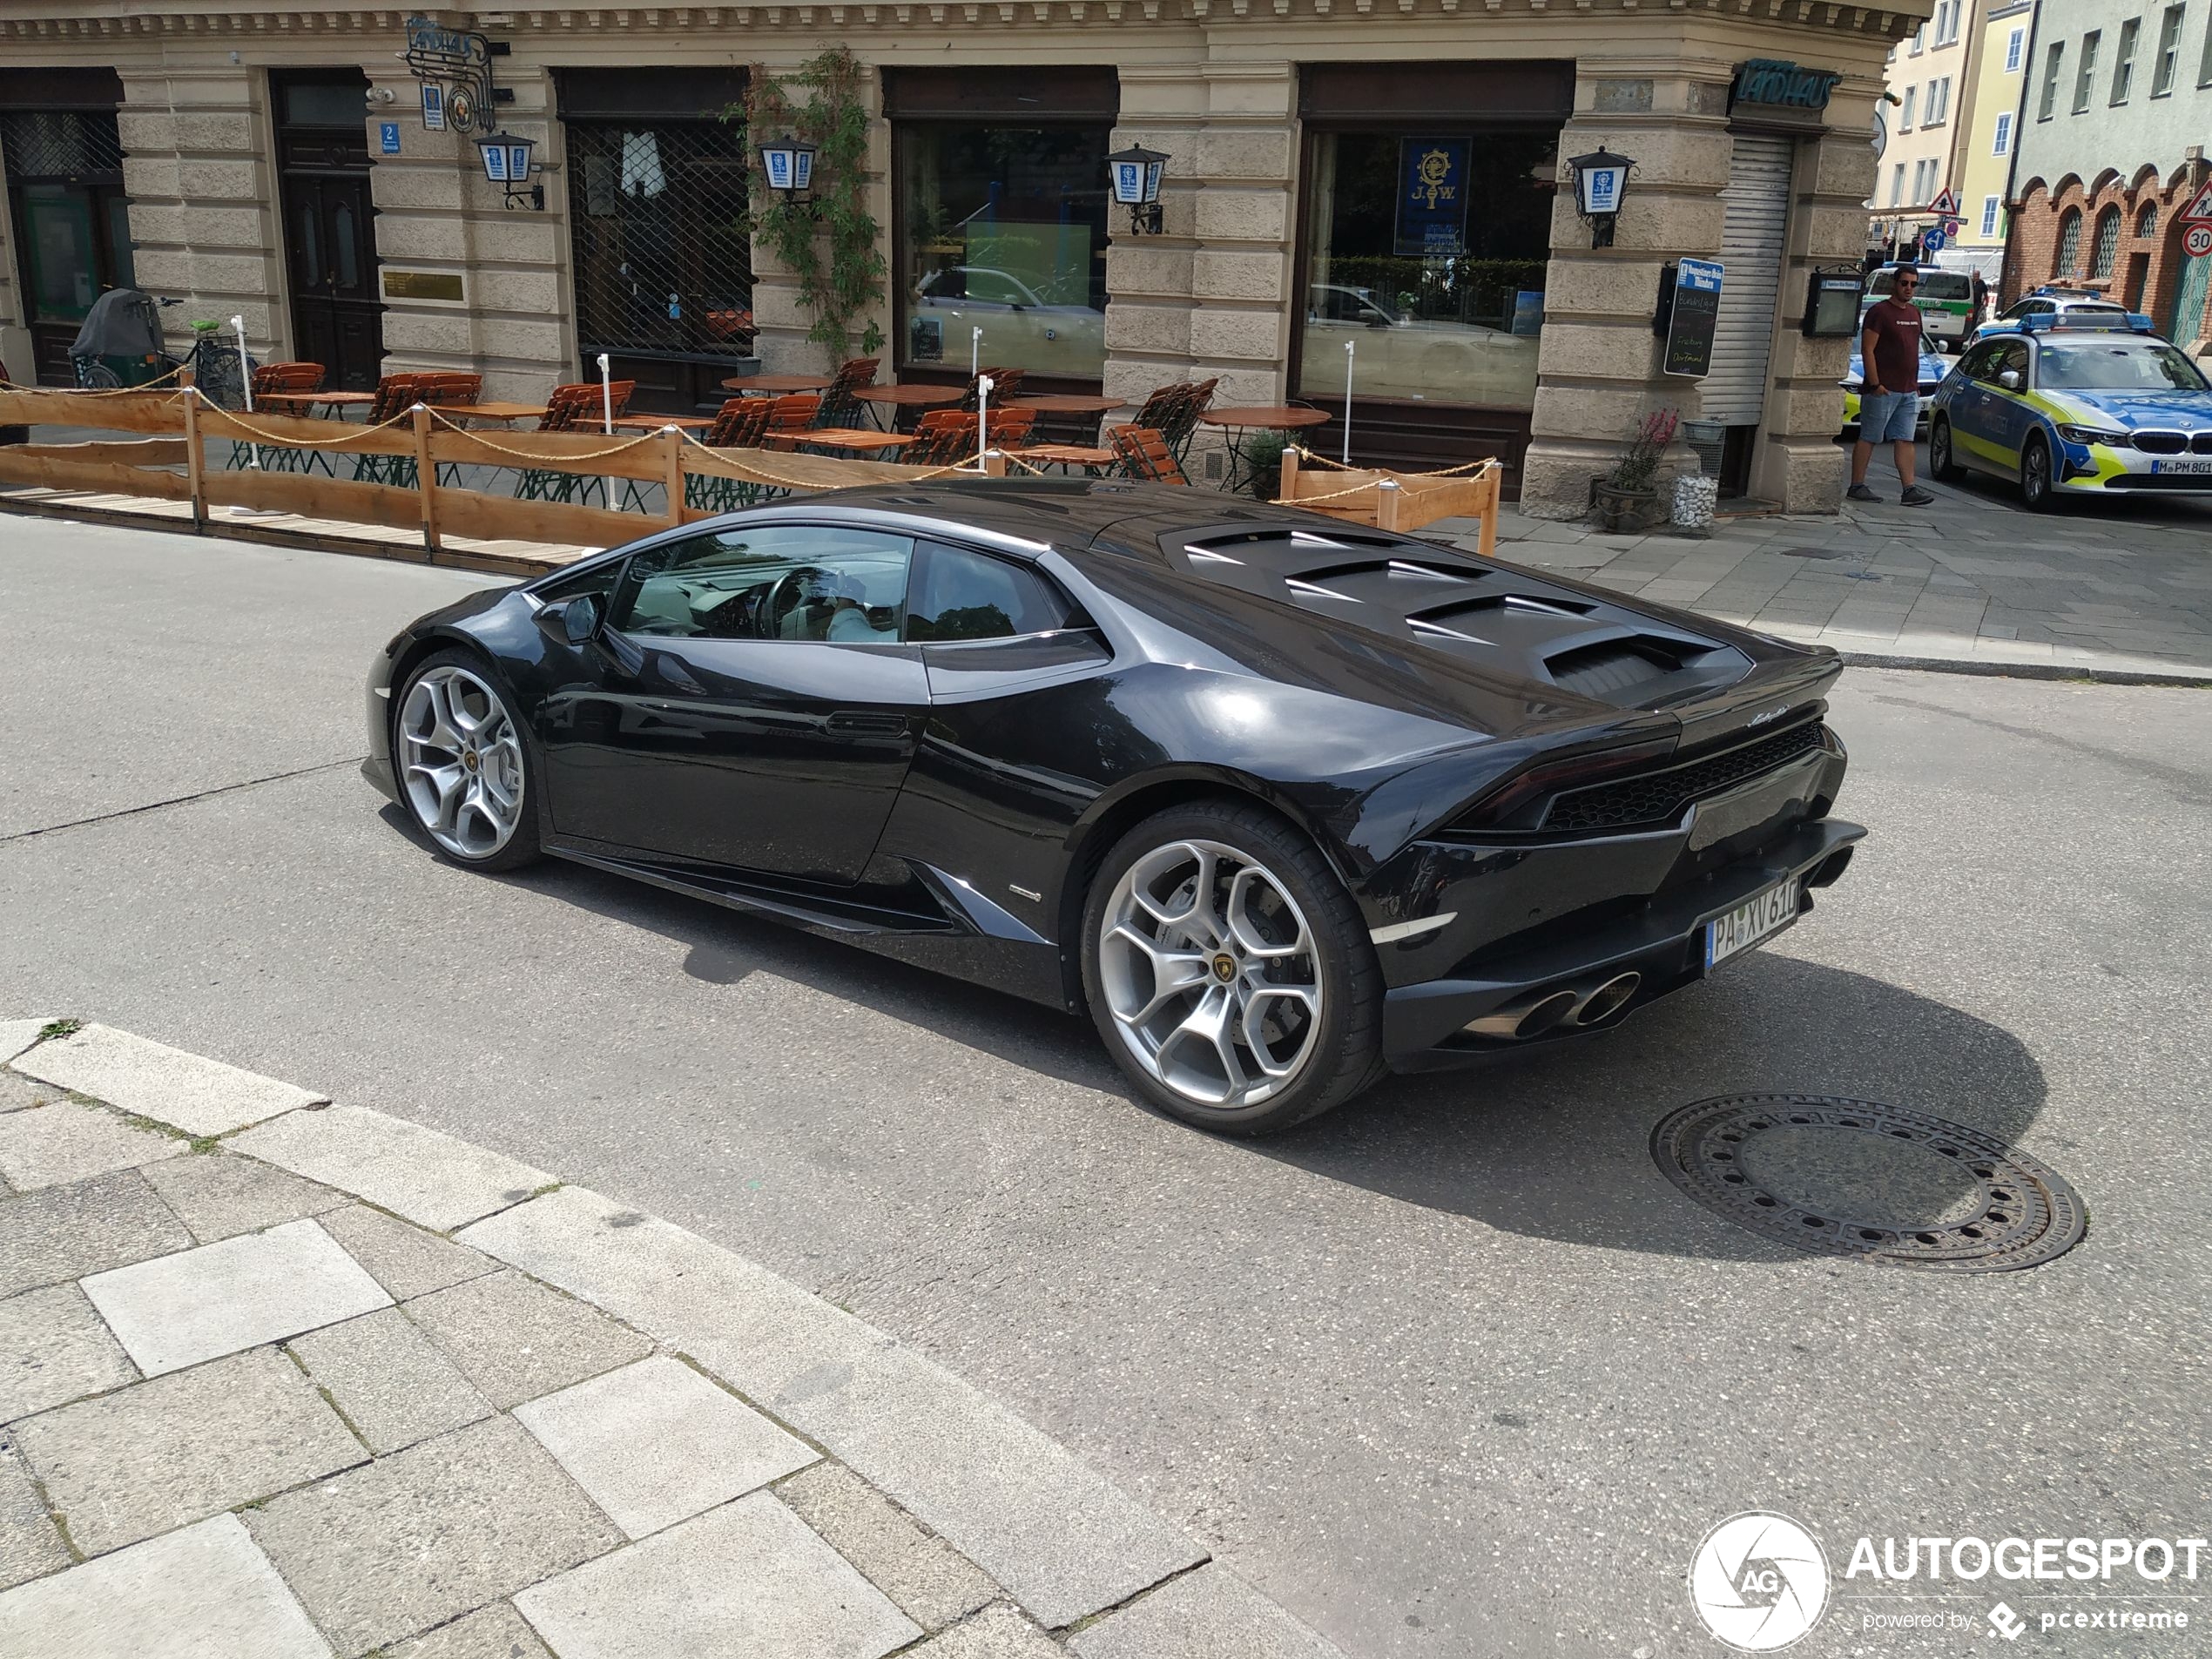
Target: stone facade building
{"type": "Point", "coordinates": [1381, 174]}
{"type": "Point", "coordinates": [2112, 153]}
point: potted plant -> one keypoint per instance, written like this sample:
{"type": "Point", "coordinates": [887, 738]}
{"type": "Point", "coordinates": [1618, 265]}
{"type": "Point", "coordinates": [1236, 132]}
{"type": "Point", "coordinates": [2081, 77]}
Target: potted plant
{"type": "Point", "coordinates": [1628, 498]}
{"type": "Point", "coordinates": [1264, 456]}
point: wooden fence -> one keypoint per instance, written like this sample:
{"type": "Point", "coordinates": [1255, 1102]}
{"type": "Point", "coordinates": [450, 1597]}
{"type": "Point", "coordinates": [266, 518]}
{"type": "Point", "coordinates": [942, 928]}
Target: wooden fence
{"type": "Point", "coordinates": [1398, 501]}
{"type": "Point", "coordinates": [179, 426]}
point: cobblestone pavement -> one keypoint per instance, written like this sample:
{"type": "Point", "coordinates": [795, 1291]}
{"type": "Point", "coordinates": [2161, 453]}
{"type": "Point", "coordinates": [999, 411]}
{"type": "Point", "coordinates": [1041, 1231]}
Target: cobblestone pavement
{"type": "Point", "coordinates": [288, 1379]}
{"type": "Point", "coordinates": [2120, 589]}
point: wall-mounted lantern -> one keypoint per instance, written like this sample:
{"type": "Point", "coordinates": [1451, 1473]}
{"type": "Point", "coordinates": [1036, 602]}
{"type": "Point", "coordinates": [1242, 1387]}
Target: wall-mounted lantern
{"type": "Point", "coordinates": [1136, 176]}
{"type": "Point", "coordinates": [507, 163]}
{"type": "Point", "coordinates": [1600, 180]}
{"type": "Point", "coordinates": [789, 164]}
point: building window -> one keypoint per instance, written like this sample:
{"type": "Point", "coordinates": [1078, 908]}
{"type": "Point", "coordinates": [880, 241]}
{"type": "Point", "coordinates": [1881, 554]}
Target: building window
{"type": "Point", "coordinates": [1989, 207]}
{"type": "Point", "coordinates": [2204, 63]}
{"type": "Point", "coordinates": [1896, 186]}
{"type": "Point", "coordinates": [2147, 221]}
{"type": "Point", "coordinates": [2085, 75]}
{"type": "Point", "coordinates": [2003, 146]}
{"type": "Point", "coordinates": [2123, 63]}
{"type": "Point", "coordinates": [1938, 101]}
{"type": "Point", "coordinates": [2069, 259]}
{"type": "Point", "coordinates": [2108, 247]}
{"type": "Point", "coordinates": [1001, 222]}
{"type": "Point", "coordinates": [1905, 115]}
{"type": "Point", "coordinates": [1920, 40]}
{"type": "Point", "coordinates": [1946, 21]}
{"type": "Point", "coordinates": [64, 188]}
{"type": "Point", "coordinates": [2169, 52]}
{"type": "Point", "coordinates": [2015, 50]}
{"type": "Point", "coordinates": [2052, 61]}
{"type": "Point", "coordinates": [1441, 296]}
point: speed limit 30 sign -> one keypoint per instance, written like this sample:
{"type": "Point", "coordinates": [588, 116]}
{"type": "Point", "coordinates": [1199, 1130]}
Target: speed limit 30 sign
{"type": "Point", "coordinates": [2198, 239]}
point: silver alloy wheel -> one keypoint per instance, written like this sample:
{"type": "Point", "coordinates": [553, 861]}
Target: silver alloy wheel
{"type": "Point", "coordinates": [460, 762]}
{"type": "Point", "coordinates": [1211, 973]}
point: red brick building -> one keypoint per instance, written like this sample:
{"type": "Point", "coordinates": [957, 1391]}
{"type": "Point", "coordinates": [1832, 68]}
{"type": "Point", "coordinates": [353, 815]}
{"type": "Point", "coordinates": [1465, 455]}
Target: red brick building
{"type": "Point", "coordinates": [2121, 235]}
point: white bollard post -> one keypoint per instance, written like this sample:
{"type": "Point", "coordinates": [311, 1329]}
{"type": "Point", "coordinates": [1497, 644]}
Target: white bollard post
{"type": "Point", "coordinates": [983, 384]}
{"type": "Point", "coordinates": [1348, 356]}
{"type": "Point", "coordinates": [974, 353]}
{"type": "Point", "coordinates": [606, 396]}
{"type": "Point", "coordinates": [246, 381]}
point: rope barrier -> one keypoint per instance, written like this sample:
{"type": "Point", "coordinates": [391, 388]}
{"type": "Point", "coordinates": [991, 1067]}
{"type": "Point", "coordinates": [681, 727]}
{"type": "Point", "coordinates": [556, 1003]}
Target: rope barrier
{"type": "Point", "coordinates": [542, 462]}
{"type": "Point", "coordinates": [275, 441]}
{"type": "Point", "coordinates": [1305, 454]}
{"type": "Point", "coordinates": [86, 391]}
{"type": "Point", "coordinates": [763, 475]}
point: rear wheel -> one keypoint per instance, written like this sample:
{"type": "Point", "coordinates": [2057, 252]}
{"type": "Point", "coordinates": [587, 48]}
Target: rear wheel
{"type": "Point", "coordinates": [463, 767]}
{"type": "Point", "coordinates": [1943, 466]}
{"type": "Point", "coordinates": [2035, 474]}
{"type": "Point", "coordinates": [1228, 972]}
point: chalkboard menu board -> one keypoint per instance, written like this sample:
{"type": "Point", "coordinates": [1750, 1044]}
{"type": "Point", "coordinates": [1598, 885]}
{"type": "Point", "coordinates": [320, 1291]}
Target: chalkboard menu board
{"type": "Point", "coordinates": [1691, 299]}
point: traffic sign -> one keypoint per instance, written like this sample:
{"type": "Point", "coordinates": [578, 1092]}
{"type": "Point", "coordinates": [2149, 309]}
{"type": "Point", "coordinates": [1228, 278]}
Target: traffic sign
{"type": "Point", "coordinates": [1932, 241]}
{"type": "Point", "coordinates": [2201, 208]}
{"type": "Point", "coordinates": [2198, 239]}
{"type": "Point", "coordinates": [1946, 205]}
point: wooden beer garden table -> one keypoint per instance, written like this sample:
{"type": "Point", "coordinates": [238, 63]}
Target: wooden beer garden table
{"type": "Point", "coordinates": [774, 385]}
{"type": "Point", "coordinates": [1066, 457]}
{"type": "Point", "coordinates": [492, 410]}
{"type": "Point", "coordinates": [904, 402]}
{"type": "Point", "coordinates": [1271, 417]}
{"type": "Point", "coordinates": [654, 423]}
{"type": "Point", "coordinates": [1066, 403]}
{"type": "Point", "coordinates": [847, 440]}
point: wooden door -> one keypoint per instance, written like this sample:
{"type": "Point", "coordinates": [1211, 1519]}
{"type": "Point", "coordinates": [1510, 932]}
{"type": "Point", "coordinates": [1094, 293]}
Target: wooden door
{"type": "Point", "coordinates": [337, 319]}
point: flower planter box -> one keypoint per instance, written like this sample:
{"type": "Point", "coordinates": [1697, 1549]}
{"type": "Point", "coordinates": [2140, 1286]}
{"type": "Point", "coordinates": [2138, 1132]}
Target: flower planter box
{"type": "Point", "coordinates": [1629, 511]}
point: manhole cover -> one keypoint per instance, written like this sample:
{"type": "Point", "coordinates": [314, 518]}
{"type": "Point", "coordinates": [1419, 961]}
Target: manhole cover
{"type": "Point", "coordinates": [1852, 1177]}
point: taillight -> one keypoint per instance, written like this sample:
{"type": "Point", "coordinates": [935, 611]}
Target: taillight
{"type": "Point", "coordinates": [1511, 798]}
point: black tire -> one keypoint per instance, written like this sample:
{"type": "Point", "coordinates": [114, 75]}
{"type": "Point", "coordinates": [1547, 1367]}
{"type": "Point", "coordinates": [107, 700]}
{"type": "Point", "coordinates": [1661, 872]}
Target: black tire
{"type": "Point", "coordinates": [1345, 1055]}
{"type": "Point", "coordinates": [521, 846]}
{"type": "Point", "coordinates": [2035, 474]}
{"type": "Point", "coordinates": [1943, 466]}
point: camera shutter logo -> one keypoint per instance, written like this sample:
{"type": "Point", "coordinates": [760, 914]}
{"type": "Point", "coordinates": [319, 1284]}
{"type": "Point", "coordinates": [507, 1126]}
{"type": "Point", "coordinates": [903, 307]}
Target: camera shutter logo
{"type": "Point", "coordinates": [1759, 1582]}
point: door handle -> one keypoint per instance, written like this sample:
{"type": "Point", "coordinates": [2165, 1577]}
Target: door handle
{"type": "Point", "coordinates": [846, 722]}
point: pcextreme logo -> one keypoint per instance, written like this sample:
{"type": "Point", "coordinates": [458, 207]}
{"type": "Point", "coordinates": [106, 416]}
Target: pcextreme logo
{"type": "Point", "coordinates": [1759, 1582]}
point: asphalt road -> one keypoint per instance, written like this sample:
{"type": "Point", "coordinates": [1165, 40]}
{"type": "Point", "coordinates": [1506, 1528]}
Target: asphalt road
{"type": "Point", "coordinates": [2001, 495]}
{"type": "Point", "coordinates": [1452, 1371]}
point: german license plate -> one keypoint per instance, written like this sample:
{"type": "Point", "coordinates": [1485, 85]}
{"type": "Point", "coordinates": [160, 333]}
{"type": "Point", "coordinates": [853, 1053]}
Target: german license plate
{"type": "Point", "coordinates": [1759, 917]}
{"type": "Point", "coordinates": [2181, 466]}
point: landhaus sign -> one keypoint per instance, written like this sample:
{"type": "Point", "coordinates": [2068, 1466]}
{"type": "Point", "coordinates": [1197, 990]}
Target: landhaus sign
{"type": "Point", "coordinates": [1778, 83]}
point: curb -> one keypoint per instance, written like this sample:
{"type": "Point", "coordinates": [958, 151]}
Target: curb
{"type": "Point", "coordinates": [2079, 672]}
{"type": "Point", "coordinates": [1101, 1575]}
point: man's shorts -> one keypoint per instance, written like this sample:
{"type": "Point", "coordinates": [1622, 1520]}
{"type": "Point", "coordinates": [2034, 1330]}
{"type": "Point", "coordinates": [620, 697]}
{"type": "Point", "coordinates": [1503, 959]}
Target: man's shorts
{"type": "Point", "coordinates": [1888, 417]}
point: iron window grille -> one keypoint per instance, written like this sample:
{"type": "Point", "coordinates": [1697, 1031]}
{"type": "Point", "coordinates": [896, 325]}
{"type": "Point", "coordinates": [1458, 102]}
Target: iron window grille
{"type": "Point", "coordinates": [2108, 248]}
{"type": "Point", "coordinates": [2069, 258]}
{"type": "Point", "coordinates": [662, 247]}
{"type": "Point", "coordinates": [62, 144]}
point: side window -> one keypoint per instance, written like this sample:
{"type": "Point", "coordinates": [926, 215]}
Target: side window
{"type": "Point", "coordinates": [959, 594]}
{"type": "Point", "coordinates": [808, 582]}
{"type": "Point", "coordinates": [599, 581]}
{"type": "Point", "coordinates": [1975, 364]}
{"type": "Point", "coordinates": [2012, 355]}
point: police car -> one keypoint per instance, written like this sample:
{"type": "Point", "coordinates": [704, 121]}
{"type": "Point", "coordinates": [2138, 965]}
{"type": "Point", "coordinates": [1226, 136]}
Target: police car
{"type": "Point", "coordinates": [2076, 407]}
{"type": "Point", "coordinates": [1945, 301]}
{"type": "Point", "coordinates": [1932, 369]}
{"type": "Point", "coordinates": [2068, 305]}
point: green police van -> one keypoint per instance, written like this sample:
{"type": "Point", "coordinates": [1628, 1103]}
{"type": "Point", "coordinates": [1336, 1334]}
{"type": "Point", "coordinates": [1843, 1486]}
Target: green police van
{"type": "Point", "coordinates": [1945, 301]}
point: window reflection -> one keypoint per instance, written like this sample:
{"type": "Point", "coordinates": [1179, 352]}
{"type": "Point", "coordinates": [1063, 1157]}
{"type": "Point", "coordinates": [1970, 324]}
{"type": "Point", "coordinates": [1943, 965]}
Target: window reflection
{"type": "Point", "coordinates": [1004, 229]}
{"type": "Point", "coordinates": [1426, 254]}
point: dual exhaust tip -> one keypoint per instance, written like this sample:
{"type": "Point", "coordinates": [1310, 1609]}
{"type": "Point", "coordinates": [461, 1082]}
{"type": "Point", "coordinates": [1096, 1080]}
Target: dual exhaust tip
{"type": "Point", "coordinates": [1573, 1006]}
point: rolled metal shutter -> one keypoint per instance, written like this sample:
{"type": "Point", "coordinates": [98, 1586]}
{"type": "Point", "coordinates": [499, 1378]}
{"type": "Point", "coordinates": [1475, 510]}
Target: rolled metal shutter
{"type": "Point", "coordinates": [1758, 200]}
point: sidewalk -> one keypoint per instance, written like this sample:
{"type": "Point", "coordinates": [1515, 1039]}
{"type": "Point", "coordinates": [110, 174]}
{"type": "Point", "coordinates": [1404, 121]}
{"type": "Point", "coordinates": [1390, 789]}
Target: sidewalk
{"type": "Point", "coordinates": [1968, 582]}
{"type": "Point", "coordinates": [288, 1379]}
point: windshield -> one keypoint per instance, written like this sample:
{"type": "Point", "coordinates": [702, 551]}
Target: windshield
{"type": "Point", "coordinates": [2117, 366]}
{"type": "Point", "coordinates": [1934, 285]}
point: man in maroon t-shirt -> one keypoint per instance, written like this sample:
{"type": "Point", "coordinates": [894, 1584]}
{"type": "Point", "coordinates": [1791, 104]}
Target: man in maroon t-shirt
{"type": "Point", "coordinates": [1889, 393]}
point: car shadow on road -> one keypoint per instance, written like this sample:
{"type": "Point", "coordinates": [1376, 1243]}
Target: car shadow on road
{"type": "Point", "coordinates": [1553, 1144]}
{"type": "Point", "coordinates": [1557, 1144]}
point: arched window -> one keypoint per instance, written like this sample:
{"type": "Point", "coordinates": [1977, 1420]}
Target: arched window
{"type": "Point", "coordinates": [2069, 258]}
{"type": "Point", "coordinates": [2147, 221]}
{"type": "Point", "coordinates": [2108, 248]}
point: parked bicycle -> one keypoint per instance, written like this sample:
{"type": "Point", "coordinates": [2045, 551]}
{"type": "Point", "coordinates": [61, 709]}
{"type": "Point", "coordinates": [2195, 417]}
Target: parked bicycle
{"type": "Point", "coordinates": [121, 346]}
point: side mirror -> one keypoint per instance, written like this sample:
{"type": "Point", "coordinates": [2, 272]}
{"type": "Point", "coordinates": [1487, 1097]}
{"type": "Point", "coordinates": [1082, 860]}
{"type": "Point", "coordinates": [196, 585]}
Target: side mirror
{"type": "Point", "coordinates": [570, 622]}
{"type": "Point", "coordinates": [2010, 380]}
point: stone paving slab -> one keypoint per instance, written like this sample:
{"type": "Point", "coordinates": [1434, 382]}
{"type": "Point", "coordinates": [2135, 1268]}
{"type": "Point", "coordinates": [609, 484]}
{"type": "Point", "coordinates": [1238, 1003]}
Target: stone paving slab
{"type": "Point", "coordinates": [15, 1036]}
{"type": "Point", "coordinates": [1059, 1536]}
{"type": "Point", "coordinates": [53, 1349]}
{"type": "Point", "coordinates": [61, 1142]}
{"type": "Point", "coordinates": [390, 1381]}
{"type": "Point", "coordinates": [129, 1465]}
{"type": "Point", "coordinates": [407, 1261]}
{"type": "Point", "coordinates": [747, 1581]}
{"type": "Point", "coordinates": [516, 1340]}
{"type": "Point", "coordinates": [929, 1579]}
{"type": "Point", "coordinates": [410, 1541]}
{"type": "Point", "coordinates": [31, 1545]}
{"type": "Point", "coordinates": [220, 1299]}
{"type": "Point", "coordinates": [656, 1443]}
{"type": "Point", "coordinates": [218, 1199]}
{"type": "Point", "coordinates": [203, 1592]}
{"type": "Point", "coordinates": [998, 1632]}
{"type": "Point", "coordinates": [19, 1093]}
{"type": "Point", "coordinates": [415, 1172]}
{"type": "Point", "coordinates": [187, 1091]}
{"type": "Point", "coordinates": [1211, 1612]}
{"type": "Point", "coordinates": [64, 1232]}
{"type": "Point", "coordinates": [494, 1632]}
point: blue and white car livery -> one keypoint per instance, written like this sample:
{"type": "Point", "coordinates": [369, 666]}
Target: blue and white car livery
{"type": "Point", "coordinates": [1933, 368]}
{"type": "Point", "coordinates": [2080, 408]}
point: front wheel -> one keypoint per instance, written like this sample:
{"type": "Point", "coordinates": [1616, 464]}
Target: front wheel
{"type": "Point", "coordinates": [1228, 972]}
{"type": "Point", "coordinates": [2035, 476]}
{"type": "Point", "coordinates": [1943, 466]}
{"type": "Point", "coordinates": [463, 765]}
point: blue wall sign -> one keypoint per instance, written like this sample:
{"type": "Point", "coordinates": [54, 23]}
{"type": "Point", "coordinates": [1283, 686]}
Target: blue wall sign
{"type": "Point", "coordinates": [1432, 197]}
{"type": "Point", "coordinates": [1692, 307]}
{"type": "Point", "coordinates": [387, 138]}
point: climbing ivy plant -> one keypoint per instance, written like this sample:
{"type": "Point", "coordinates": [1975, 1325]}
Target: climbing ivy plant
{"type": "Point", "coordinates": [832, 247]}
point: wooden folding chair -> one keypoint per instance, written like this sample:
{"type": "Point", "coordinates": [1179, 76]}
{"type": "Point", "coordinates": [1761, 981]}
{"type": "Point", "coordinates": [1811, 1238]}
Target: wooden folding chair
{"type": "Point", "coordinates": [278, 387]}
{"type": "Point", "coordinates": [1145, 454]}
{"type": "Point", "coordinates": [396, 396]}
{"type": "Point", "coordinates": [839, 407]}
{"type": "Point", "coordinates": [1005, 382]}
{"type": "Point", "coordinates": [741, 423]}
{"type": "Point", "coordinates": [1183, 417]}
{"type": "Point", "coordinates": [942, 438]}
